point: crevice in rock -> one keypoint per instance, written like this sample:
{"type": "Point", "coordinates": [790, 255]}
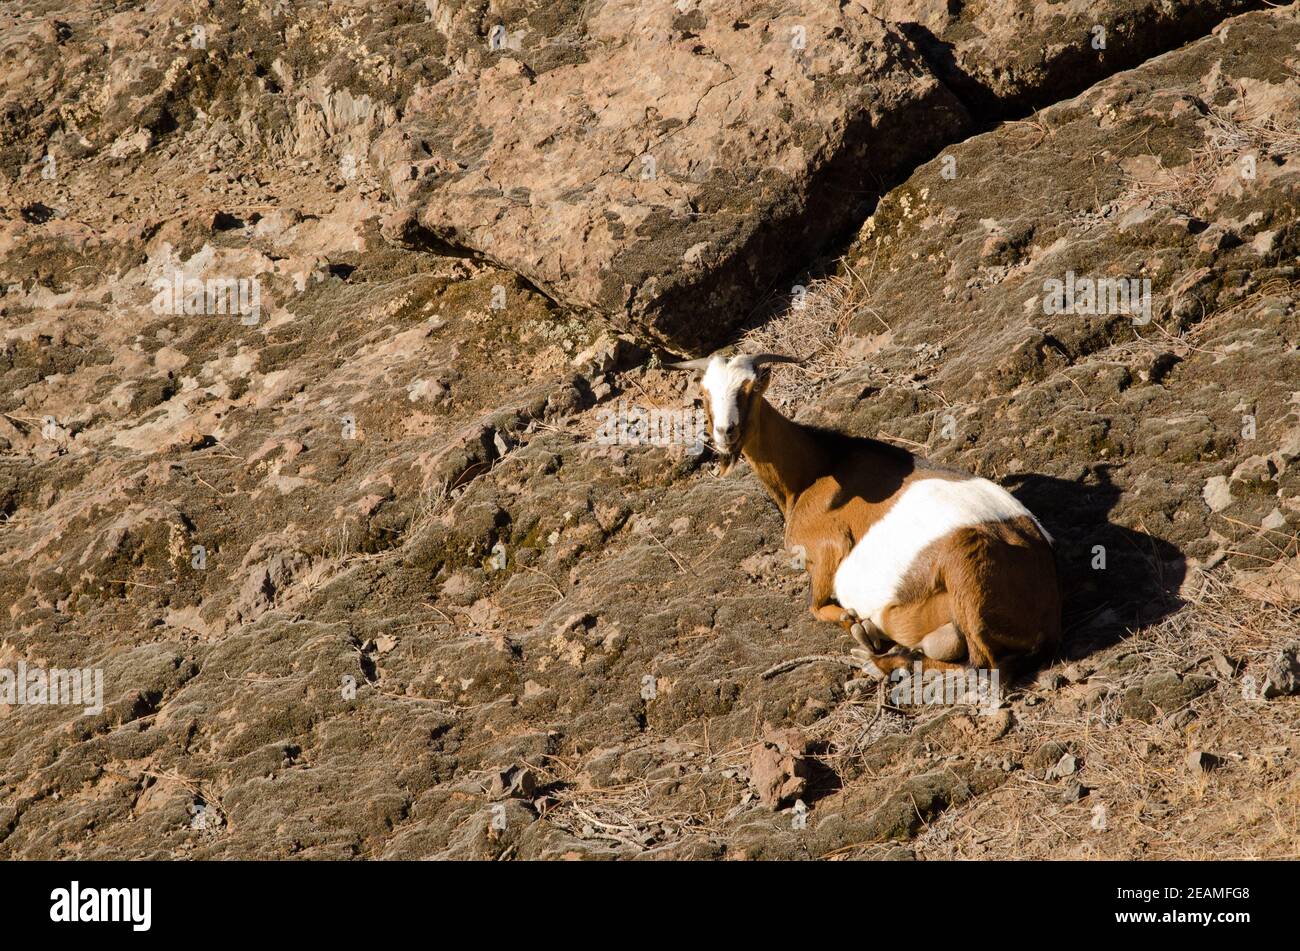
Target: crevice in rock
{"type": "Point", "coordinates": [1143, 36]}
{"type": "Point", "coordinates": [1068, 77]}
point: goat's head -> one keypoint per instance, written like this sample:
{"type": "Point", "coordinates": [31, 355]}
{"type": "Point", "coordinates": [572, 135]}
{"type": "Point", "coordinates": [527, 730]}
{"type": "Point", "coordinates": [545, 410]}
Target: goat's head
{"type": "Point", "coordinates": [731, 388]}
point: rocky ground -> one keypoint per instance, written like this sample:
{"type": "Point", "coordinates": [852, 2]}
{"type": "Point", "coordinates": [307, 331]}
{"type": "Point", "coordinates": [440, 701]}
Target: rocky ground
{"type": "Point", "coordinates": [365, 575]}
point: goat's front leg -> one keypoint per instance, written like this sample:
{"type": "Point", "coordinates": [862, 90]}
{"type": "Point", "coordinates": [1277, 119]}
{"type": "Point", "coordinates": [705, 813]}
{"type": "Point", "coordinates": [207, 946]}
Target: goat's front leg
{"type": "Point", "coordinates": [821, 569]}
{"type": "Point", "coordinates": [826, 608]}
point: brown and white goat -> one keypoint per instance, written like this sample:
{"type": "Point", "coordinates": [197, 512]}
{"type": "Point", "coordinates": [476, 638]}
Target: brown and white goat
{"type": "Point", "coordinates": [899, 550]}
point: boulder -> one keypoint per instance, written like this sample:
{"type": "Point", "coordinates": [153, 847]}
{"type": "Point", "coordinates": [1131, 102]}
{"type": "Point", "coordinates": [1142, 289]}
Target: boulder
{"type": "Point", "coordinates": [668, 175]}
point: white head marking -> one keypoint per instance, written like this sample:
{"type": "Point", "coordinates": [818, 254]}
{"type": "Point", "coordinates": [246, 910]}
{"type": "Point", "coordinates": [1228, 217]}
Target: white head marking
{"type": "Point", "coordinates": [722, 383]}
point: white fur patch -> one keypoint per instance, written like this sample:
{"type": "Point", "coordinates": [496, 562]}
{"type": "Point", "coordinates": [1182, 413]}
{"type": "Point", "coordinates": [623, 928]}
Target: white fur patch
{"type": "Point", "coordinates": [721, 383]}
{"type": "Point", "coordinates": [867, 580]}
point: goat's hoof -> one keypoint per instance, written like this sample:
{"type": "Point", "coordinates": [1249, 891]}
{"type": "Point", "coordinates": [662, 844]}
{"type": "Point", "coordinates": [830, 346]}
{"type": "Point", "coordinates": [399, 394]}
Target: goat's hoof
{"type": "Point", "coordinates": [852, 614]}
{"type": "Point", "coordinates": [868, 661]}
{"type": "Point", "coordinates": [869, 636]}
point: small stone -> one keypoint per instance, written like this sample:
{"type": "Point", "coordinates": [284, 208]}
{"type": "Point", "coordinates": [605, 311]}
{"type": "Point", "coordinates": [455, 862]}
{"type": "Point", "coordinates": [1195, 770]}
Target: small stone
{"type": "Point", "coordinates": [53, 32]}
{"type": "Point", "coordinates": [1264, 243]}
{"type": "Point", "coordinates": [1273, 521]}
{"type": "Point", "coordinates": [1216, 238]}
{"type": "Point", "coordinates": [1074, 792]}
{"type": "Point", "coordinates": [998, 724]}
{"type": "Point", "coordinates": [1169, 691]}
{"type": "Point", "coordinates": [195, 440]}
{"type": "Point", "coordinates": [1199, 761]}
{"type": "Point", "coordinates": [1254, 474]}
{"type": "Point", "coordinates": [1226, 667]}
{"type": "Point", "coordinates": [1283, 677]}
{"type": "Point", "coordinates": [516, 782]}
{"type": "Point", "coordinates": [1288, 449]}
{"type": "Point", "coordinates": [1050, 680]}
{"type": "Point", "coordinates": [1216, 494]}
{"type": "Point", "coordinates": [1067, 765]}
{"type": "Point", "coordinates": [779, 767]}
{"type": "Point", "coordinates": [1049, 754]}
{"type": "Point", "coordinates": [1132, 706]}
{"type": "Point", "coordinates": [1134, 217]}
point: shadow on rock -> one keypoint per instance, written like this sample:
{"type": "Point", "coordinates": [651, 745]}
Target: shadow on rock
{"type": "Point", "coordinates": [1113, 578]}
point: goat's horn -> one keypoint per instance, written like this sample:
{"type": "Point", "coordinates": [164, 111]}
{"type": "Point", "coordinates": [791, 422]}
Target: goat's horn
{"type": "Point", "coordinates": [758, 359]}
{"type": "Point", "coordinates": [699, 365]}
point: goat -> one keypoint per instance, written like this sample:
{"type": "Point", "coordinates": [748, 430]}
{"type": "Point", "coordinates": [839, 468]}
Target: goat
{"type": "Point", "coordinates": [898, 549]}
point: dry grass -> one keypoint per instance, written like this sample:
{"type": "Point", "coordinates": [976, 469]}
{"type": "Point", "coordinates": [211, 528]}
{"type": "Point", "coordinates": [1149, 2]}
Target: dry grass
{"type": "Point", "coordinates": [637, 814]}
{"type": "Point", "coordinates": [853, 726]}
{"type": "Point", "coordinates": [1144, 800]}
{"type": "Point", "coordinates": [815, 331]}
{"type": "Point", "coordinates": [835, 329]}
{"type": "Point", "coordinates": [1243, 129]}
{"type": "Point", "coordinates": [539, 593]}
{"type": "Point", "coordinates": [432, 504]}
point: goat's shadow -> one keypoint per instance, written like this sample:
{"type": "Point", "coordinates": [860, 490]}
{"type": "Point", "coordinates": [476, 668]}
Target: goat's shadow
{"type": "Point", "coordinates": [1113, 579]}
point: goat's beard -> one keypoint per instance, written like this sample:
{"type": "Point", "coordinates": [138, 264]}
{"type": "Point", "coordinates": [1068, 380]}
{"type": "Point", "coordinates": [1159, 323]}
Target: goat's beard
{"type": "Point", "coordinates": [726, 459]}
